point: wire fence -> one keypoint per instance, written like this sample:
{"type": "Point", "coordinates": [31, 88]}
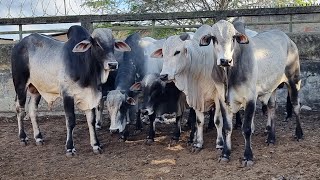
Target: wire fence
{"type": "Point", "coordinates": [44, 8]}
{"type": "Point", "coordinates": [36, 8]}
{"type": "Point", "coordinates": [19, 18]}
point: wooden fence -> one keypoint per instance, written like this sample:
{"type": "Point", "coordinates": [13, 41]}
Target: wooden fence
{"type": "Point", "coordinates": [88, 20]}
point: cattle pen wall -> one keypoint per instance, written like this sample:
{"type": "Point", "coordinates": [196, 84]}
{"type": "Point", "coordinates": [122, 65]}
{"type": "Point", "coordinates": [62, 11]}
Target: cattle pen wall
{"type": "Point", "coordinates": [300, 23]}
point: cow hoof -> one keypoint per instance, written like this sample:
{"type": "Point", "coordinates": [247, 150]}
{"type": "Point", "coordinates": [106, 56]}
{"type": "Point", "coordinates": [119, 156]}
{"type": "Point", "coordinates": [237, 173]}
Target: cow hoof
{"type": "Point", "coordinates": [122, 139]}
{"type": "Point", "coordinates": [71, 152]}
{"type": "Point", "coordinates": [189, 143]}
{"type": "Point", "coordinates": [173, 142]}
{"type": "Point", "coordinates": [97, 150]}
{"type": "Point", "coordinates": [98, 127]}
{"type": "Point", "coordinates": [299, 134]}
{"type": "Point", "coordinates": [149, 141]}
{"type": "Point", "coordinates": [23, 142]}
{"type": "Point", "coordinates": [195, 149]}
{"type": "Point", "coordinates": [247, 163]}
{"type": "Point", "coordinates": [219, 147]}
{"type": "Point", "coordinates": [270, 141]}
{"type": "Point", "coordinates": [286, 120]}
{"type": "Point", "coordinates": [224, 159]}
{"type": "Point", "coordinates": [39, 142]}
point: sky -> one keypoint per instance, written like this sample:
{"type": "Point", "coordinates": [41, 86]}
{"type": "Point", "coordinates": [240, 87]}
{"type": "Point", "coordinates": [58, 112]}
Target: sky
{"type": "Point", "coordinates": [33, 8]}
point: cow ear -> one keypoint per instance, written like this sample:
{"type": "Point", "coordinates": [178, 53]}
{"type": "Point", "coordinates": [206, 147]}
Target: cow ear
{"type": "Point", "coordinates": [131, 101]}
{"type": "Point", "coordinates": [157, 54]}
{"type": "Point", "coordinates": [205, 40]}
{"type": "Point", "coordinates": [136, 87]}
{"type": "Point", "coordinates": [82, 46]}
{"type": "Point", "coordinates": [241, 38]}
{"type": "Point", "coordinates": [121, 46]}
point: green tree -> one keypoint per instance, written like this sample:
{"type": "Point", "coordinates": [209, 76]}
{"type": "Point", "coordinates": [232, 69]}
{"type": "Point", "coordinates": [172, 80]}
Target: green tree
{"type": "Point", "coordinates": [150, 6]}
{"type": "Point", "coordinates": [164, 6]}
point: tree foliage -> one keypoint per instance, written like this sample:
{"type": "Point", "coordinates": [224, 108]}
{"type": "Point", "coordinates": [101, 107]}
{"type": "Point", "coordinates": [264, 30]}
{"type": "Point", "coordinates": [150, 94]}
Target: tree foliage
{"type": "Point", "coordinates": [164, 6]}
{"type": "Point", "coordinates": [149, 6]}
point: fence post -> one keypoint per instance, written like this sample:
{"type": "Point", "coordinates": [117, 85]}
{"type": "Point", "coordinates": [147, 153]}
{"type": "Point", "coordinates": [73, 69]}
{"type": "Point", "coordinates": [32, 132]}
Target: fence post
{"type": "Point", "coordinates": [88, 25]}
{"type": "Point", "coordinates": [290, 24]}
{"type": "Point", "coordinates": [20, 32]}
{"type": "Point", "coordinates": [153, 28]}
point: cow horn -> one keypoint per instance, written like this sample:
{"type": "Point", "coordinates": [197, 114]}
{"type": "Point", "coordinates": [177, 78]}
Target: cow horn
{"type": "Point", "coordinates": [184, 36]}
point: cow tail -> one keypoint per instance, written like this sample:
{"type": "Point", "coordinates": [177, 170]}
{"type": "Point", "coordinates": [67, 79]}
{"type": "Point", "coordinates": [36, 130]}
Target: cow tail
{"type": "Point", "coordinates": [289, 107]}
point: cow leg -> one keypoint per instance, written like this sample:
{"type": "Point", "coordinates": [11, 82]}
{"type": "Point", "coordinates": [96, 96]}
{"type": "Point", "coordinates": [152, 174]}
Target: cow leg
{"type": "Point", "coordinates": [293, 92]}
{"type": "Point", "coordinates": [268, 126]}
{"type": "Point", "coordinates": [91, 120]}
{"type": "Point", "coordinates": [192, 124]}
{"type": "Point", "coordinates": [68, 104]}
{"type": "Point", "coordinates": [219, 124]}
{"type": "Point", "coordinates": [99, 114]}
{"type": "Point", "coordinates": [33, 106]}
{"type": "Point", "coordinates": [138, 122]}
{"type": "Point", "coordinates": [247, 132]}
{"type": "Point", "coordinates": [177, 131]}
{"type": "Point", "coordinates": [226, 132]}
{"type": "Point", "coordinates": [20, 110]}
{"type": "Point", "coordinates": [271, 119]}
{"type": "Point", "coordinates": [211, 118]}
{"type": "Point", "coordinates": [238, 123]}
{"type": "Point", "coordinates": [289, 107]}
{"type": "Point", "coordinates": [125, 133]}
{"type": "Point", "coordinates": [198, 144]}
{"type": "Point", "coordinates": [151, 133]}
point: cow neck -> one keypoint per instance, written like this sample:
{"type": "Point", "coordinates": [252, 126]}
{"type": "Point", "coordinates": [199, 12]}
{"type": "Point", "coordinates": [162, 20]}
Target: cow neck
{"type": "Point", "coordinates": [242, 70]}
{"type": "Point", "coordinates": [197, 84]}
{"type": "Point", "coordinates": [226, 71]}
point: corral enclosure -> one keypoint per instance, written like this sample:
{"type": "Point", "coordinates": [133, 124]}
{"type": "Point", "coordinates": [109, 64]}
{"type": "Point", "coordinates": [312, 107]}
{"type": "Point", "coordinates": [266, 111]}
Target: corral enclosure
{"type": "Point", "coordinates": [134, 160]}
{"type": "Point", "coordinates": [300, 23]}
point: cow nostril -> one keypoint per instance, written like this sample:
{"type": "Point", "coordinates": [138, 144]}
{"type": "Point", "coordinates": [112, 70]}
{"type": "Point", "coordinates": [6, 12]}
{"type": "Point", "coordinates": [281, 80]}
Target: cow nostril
{"type": "Point", "coordinates": [164, 77]}
{"type": "Point", "coordinates": [113, 65]}
{"type": "Point", "coordinates": [225, 62]}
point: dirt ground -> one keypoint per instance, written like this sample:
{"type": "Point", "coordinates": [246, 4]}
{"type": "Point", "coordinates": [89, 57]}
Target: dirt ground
{"type": "Point", "coordinates": [288, 159]}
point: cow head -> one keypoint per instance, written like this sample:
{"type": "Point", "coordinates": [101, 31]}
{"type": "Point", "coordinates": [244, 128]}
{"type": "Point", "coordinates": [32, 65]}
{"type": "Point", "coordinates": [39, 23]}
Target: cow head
{"type": "Point", "coordinates": [175, 56]}
{"type": "Point", "coordinates": [152, 88]}
{"type": "Point", "coordinates": [118, 104]}
{"type": "Point", "coordinates": [225, 39]}
{"type": "Point", "coordinates": [102, 46]}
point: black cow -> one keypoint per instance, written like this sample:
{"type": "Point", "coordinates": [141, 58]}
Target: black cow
{"type": "Point", "coordinates": [73, 70]}
{"type": "Point", "coordinates": [161, 101]}
{"type": "Point", "coordinates": [120, 104]}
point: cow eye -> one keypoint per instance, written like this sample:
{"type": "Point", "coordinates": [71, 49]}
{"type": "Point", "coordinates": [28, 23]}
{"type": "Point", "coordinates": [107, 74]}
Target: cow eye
{"type": "Point", "coordinates": [234, 38]}
{"type": "Point", "coordinates": [177, 52]}
{"type": "Point", "coordinates": [214, 40]}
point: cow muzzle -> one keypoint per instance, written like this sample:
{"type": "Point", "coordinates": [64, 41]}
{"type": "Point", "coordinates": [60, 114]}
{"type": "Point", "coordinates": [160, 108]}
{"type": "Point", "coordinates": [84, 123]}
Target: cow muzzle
{"type": "Point", "coordinates": [112, 66]}
{"type": "Point", "coordinates": [226, 62]}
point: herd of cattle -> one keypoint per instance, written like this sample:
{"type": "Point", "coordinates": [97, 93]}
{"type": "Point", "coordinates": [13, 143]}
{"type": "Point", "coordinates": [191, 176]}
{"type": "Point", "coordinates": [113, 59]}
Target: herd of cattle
{"type": "Point", "coordinates": [224, 67]}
